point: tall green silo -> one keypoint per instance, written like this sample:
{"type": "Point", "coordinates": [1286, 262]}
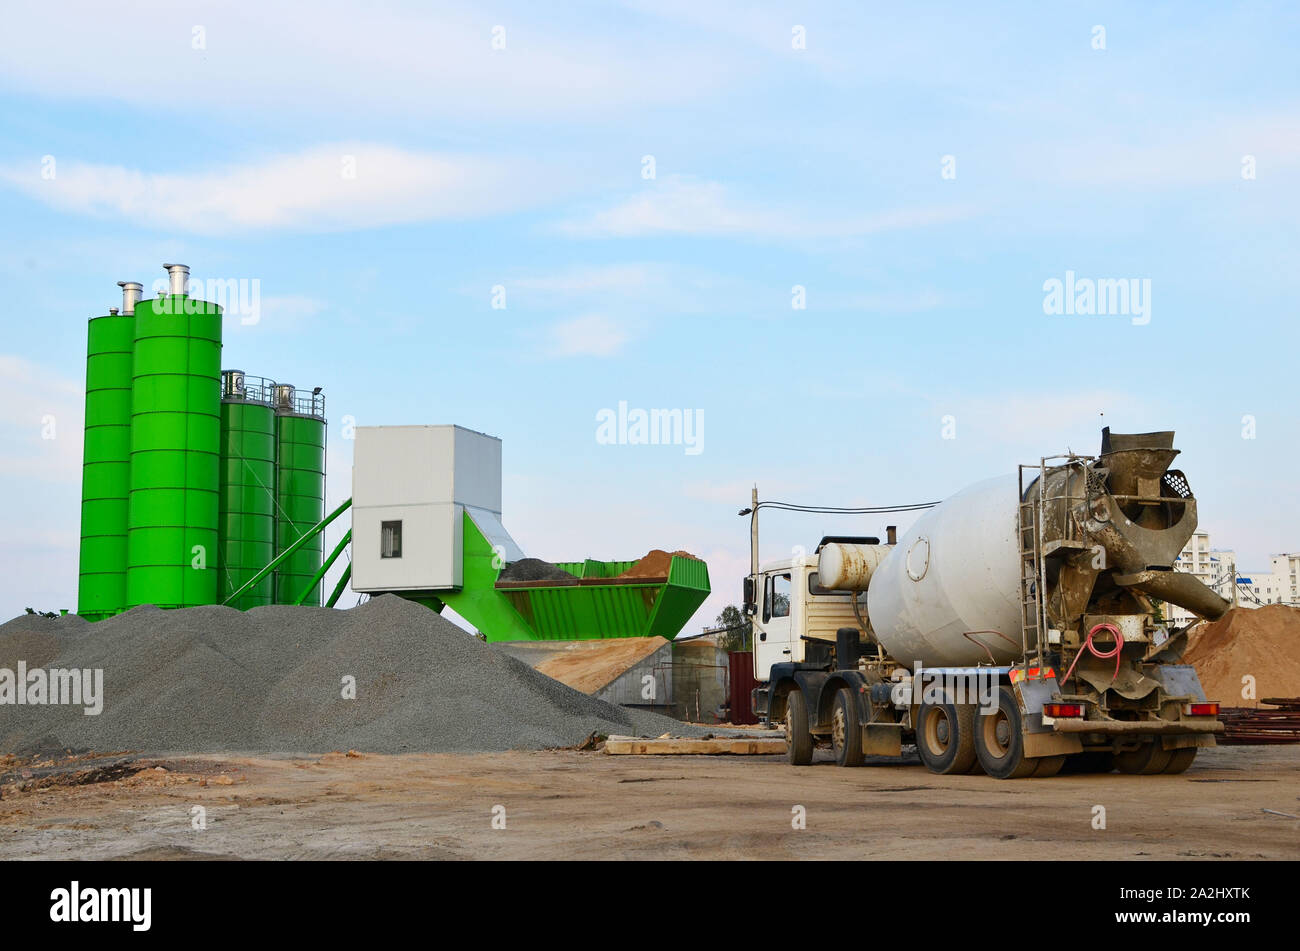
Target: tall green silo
{"type": "Point", "coordinates": [172, 512]}
{"type": "Point", "coordinates": [299, 489]}
{"type": "Point", "coordinates": [247, 501]}
{"type": "Point", "coordinates": [106, 462]}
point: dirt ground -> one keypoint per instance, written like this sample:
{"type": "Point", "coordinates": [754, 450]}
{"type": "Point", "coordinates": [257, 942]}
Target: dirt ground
{"type": "Point", "coordinates": [588, 805]}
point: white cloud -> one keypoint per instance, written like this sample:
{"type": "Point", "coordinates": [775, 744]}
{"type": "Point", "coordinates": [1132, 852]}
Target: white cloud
{"type": "Point", "coordinates": [616, 277]}
{"type": "Point", "coordinates": [40, 478]}
{"type": "Point", "coordinates": [677, 206]}
{"type": "Point", "coordinates": [1209, 152]}
{"type": "Point", "coordinates": [402, 58]}
{"type": "Point", "coordinates": [590, 335]}
{"type": "Point", "coordinates": [312, 190]}
{"type": "Point", "coordinates": [41, 419]}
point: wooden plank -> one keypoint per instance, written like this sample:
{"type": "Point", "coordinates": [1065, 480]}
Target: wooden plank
{"type": "Point", "coordinates": [684, 746]}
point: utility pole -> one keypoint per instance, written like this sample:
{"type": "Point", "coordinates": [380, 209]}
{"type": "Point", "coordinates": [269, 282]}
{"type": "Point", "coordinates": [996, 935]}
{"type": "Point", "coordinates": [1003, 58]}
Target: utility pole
{"type": "Point", "coordinates": [753, 537]}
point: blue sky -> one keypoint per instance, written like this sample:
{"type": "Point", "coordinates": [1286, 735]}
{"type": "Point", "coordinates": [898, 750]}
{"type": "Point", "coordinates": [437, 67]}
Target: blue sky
{"type": "Point", "coordinates": [215, 134]}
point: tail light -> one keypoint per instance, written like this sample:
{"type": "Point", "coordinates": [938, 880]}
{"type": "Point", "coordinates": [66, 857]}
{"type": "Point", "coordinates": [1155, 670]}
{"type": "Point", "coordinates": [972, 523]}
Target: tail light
{"type": "Point", "coordinates": [1201, 709]}
{"type": "Point", "coordinates": [1062, 710]}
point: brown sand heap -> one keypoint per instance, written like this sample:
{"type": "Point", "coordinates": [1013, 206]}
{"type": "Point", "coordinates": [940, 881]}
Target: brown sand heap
{"type": "Point", "coordinates": [1263, 643]}
{"type": "Point", "coordinates": [590, 665]}
{"type": "Point", "coordinates": [655, 564]}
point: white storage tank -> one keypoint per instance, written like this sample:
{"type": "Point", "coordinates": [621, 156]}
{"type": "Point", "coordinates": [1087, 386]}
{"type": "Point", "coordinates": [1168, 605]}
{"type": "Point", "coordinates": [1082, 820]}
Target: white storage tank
{"type": "Point", "coordinates": [957, 570]}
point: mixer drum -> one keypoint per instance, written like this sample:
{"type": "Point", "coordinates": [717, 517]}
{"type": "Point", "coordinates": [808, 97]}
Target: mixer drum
{"type": "Point", "coordinates": [956, 570]}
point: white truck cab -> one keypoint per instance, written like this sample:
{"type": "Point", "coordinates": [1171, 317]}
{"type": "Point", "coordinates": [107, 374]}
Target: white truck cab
{"type": "Point", "coordinates": [793, 609]}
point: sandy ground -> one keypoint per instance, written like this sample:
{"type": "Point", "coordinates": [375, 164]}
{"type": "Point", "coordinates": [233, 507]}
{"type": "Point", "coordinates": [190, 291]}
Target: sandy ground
{"type": "Point", "coordinates": [581, 805]}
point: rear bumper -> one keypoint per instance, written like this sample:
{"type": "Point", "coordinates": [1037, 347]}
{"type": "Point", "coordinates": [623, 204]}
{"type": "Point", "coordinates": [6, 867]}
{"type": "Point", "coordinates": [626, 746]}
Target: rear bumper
{"type": "Point", "coordinates": [1137, 727]}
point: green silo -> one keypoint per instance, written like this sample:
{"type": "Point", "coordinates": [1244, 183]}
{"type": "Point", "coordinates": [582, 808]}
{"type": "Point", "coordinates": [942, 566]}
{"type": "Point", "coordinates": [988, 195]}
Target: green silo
{"type": "Point", "coordinates": [172, 512]}
{"type": "Point", "coordinates": [299, 489]}
{"type": "Point", "coordinates": [247, 500]}
{"type": "Point", "coordinates": [106, 461]}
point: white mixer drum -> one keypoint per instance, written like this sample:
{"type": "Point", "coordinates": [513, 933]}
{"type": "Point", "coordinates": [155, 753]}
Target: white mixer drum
{"type": "Point", "coordinates": [957, 570]}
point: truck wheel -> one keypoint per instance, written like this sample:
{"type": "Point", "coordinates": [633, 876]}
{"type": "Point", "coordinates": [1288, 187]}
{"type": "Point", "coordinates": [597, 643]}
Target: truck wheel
{"type": "Point", "coordinates": [999, 740]}
{"type": "Point", "coordinates": [1048, 766]}
{"type": "Point", "coordinates": [798, 740]}
{"type": "Point", "coordinates": [1181, 759]}
{"type": "Point", "coordinates": [945, 737]}
{"type": "Point", "coordinates": [1146, 760]}
{"type": "Point", "coordinates": [846, 732]}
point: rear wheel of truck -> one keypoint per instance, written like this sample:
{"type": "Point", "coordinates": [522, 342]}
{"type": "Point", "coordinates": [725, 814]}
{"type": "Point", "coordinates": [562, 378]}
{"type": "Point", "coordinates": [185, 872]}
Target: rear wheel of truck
{"type": "Point", "coordinates": [945, 737]}
{"type": "Point", "coordinates": [1048, 766]}
{"type": "Point", "coordinates": [798, 740]}
{"type": "Point", "coordinates": [1181, 759]}
{"type": "Point", "coordinates": [1000, 741]}
{"type": "Point", "coordinates": [1146, 760]}
{"type": "Point", "coordinates": [846, 732]}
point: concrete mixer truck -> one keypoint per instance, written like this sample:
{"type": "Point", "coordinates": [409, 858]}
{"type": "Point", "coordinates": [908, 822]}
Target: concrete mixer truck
{"type": "Point", "coordinates": [1016, 628]}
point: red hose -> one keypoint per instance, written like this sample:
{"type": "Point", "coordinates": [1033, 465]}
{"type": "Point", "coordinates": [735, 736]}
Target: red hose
{"type": "Point", "coordinates": [1092, 649]}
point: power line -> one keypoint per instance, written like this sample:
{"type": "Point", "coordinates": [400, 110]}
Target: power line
{"type": "Point", "coordinates": [841, 510]}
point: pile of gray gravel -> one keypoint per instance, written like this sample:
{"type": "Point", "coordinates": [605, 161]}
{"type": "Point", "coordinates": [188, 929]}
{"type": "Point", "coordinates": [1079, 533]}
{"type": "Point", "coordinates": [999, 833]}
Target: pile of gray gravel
{"type": "Point", "coordinates": [534, 569]}
{"type": "Point", "coordinates": [272, 679]}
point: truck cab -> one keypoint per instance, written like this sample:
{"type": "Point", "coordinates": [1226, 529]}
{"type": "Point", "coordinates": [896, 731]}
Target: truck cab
{"type": "Point", "coordinates": [807, 644]}
{"type": "Point", "coordinates": [793, 611]}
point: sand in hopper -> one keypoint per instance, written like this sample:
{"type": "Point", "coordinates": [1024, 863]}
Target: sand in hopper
{"type": "Point", "coordinates": [655, 564]}
{"type": "Point", "coordinates": [270, 680]}
{"type": "Point", "coordinates": [1263, 643]}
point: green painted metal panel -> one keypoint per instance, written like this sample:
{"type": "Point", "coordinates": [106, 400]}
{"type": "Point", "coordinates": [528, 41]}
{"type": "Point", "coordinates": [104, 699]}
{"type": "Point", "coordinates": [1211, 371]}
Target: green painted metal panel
{"type": "Point", "coordinates": [246, 523]}
{"type": "Point", "coordinates": [106, 467]}
{"type": "Point", "coordinates": [596, 607]}
{"type": "Point", "coordinates": [300, 502]}
{"type": "Point", "coordinates": [172, 549]}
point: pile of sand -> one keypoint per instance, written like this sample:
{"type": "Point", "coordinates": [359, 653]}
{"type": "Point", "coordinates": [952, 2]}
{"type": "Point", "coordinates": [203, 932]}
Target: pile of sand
{"type": "Point", "coordinates": [655, 564]}
{"type": "Point", "coordinates": [1260, 643]}
{"type": "Point", "coordinates": [590, 665]}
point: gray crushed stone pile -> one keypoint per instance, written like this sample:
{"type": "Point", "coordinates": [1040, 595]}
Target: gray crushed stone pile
{"type": "Point", "coordinates": [534, 569]}
{"type": "Point", "coordinates": [214, 679]}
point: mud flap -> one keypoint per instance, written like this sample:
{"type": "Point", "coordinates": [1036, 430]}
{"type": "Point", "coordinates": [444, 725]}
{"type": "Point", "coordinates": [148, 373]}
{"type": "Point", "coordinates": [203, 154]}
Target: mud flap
{"type": "Point", "coordinates": [1051, 744]}
{"type": "Point", "coordinates": [882, 739]}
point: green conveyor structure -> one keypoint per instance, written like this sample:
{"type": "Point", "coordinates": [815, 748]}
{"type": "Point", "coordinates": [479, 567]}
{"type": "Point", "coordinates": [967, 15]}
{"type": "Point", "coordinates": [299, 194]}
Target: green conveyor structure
{"type": "Point", "coordinates": [598, 605]}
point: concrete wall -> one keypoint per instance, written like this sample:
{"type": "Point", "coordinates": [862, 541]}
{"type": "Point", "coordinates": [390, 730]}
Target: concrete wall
{"type": "Point", "coordinates": [699, 681]}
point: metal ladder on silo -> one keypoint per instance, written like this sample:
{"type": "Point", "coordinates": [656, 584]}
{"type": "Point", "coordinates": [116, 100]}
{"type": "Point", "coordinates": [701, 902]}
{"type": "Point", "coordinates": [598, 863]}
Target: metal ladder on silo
{"type": "Point", "coordinates": [1033, 612]}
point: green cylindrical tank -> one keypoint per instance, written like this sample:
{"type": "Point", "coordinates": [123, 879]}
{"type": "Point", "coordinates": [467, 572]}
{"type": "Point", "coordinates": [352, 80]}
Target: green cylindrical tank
{"type": "Point", "coordinates": [172, 513]}
{"type": "Point", "coordinates": [300, 489]}
{"type": "Point", "coordinates": [106, 462]}
{"type": "Point", "coordinates": [247, 501]}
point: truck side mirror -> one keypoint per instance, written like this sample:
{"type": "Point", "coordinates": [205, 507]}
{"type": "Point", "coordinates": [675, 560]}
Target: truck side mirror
{"type": "Point", "coordinates": [749, 595]}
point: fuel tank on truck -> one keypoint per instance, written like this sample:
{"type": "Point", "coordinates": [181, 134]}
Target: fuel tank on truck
{"type": "Point", "coordinates": [956, 571]}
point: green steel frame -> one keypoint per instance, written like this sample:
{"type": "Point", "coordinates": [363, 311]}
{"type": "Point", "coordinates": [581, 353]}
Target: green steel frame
{"type": "Point", "coordinates": [289, 552]}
